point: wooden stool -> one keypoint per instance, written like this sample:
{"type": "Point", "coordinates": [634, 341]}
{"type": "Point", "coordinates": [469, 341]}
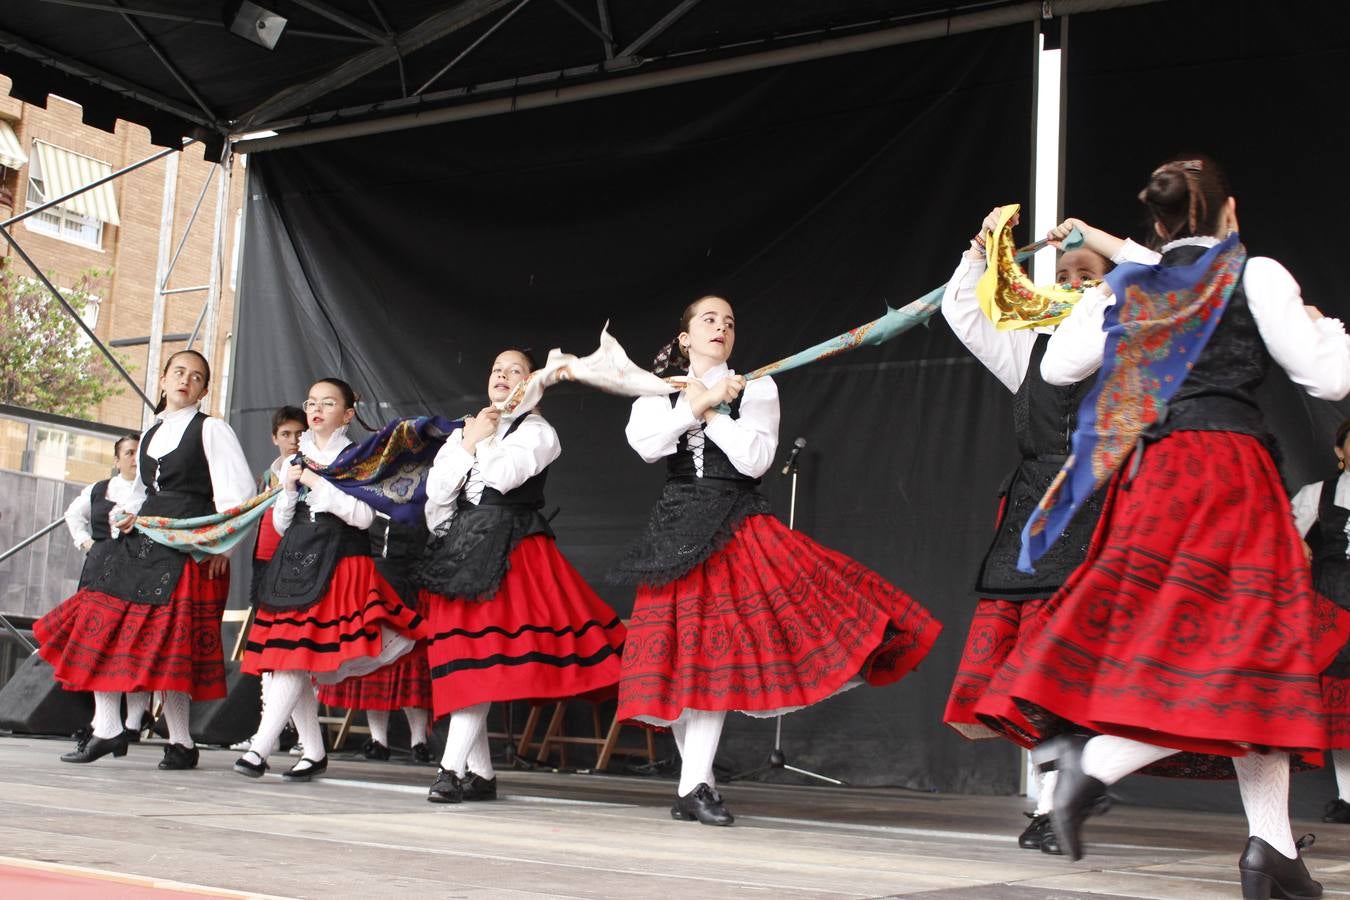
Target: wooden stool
{"type": "Point", "coordinates": [555, 738]}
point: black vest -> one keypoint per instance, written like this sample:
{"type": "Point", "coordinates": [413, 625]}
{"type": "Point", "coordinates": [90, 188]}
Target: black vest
{"type": "Point", "coordinates": [1331, 561]}
{"type": "Point", "coordinates": [398, 549]}
{"type": "Point", "coordinates": [300, 572]}
{"type": "Point", "coordinates": [694, 518]}
{"type": "Point", "coordinates": [1219, 393]}
{"type": "Point", "coordinates": [469, 559]}
{"type": "Point", "coordinates": [178, 486]}
{"type": "Point", "coordinates": [1045, 416]}
{"type": "Point", "coordinates": [100, 508]}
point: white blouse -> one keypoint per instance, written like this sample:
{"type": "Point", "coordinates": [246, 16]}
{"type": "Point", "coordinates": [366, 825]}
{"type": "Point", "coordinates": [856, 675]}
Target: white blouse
{"type": "Point", "coordinates": [749, 441]}
{"type": "Point", "coordinates": [1006, 354]}
{"type": "Point", "coordinates": [1315, 354]}
{"type": "Point", "coordinates": [80, 509]}
{"type": "Point", "coordinates": [323, 497]}
{"type": "Point", "coordinates": [231, 481]}
{"type": "Point", "coordinates": [502, 462]}
{"type": "Point", "coordinates": [1309, 498]}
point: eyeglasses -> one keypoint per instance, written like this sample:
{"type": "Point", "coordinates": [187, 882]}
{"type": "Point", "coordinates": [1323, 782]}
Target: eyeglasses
{"type": "Point", "coordinates": [327, 405]}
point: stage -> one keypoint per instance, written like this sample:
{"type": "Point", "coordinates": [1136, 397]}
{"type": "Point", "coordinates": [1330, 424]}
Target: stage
{"type": "Point", "coordinates": [366, 830]}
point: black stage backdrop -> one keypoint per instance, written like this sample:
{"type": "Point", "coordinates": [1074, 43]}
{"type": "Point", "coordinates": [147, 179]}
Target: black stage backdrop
{"type": "Point", "coordinates": [1251, 84]}
{"type": "Point", "coordinates": [809, 195]}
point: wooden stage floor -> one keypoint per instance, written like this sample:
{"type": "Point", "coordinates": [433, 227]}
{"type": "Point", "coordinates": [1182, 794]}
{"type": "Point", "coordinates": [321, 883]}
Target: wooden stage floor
{"type": "Point", "coordinates": [367, 831]}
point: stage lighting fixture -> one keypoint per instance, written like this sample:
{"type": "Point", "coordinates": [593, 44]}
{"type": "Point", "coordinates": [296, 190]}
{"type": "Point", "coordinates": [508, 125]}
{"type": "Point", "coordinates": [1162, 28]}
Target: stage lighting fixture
{"type": "Point", "coordinates": [251, 21]}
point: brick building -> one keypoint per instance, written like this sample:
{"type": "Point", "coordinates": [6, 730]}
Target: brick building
{"type": "Point", "coordinates": [120, 230]}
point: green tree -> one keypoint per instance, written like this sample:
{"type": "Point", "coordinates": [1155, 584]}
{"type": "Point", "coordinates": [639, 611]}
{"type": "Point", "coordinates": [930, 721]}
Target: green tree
{"type": "Point", "coordinates": [47, 363]}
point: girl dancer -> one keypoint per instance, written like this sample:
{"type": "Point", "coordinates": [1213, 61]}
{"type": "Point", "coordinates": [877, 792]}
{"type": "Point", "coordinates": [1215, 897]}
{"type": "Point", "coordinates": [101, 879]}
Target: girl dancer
{"type": "Point", "coordinates": [149, 619]}
{"type": "Point", "coordinates": [1323, 508]}
{"type": "Point", "coordinates": [734, 611]}
{"type": "Point", "coordinates": [89, 520]}
{"type": "Point", "coordinates": [406, 683]}
{"type": "Point", "coordinates": [1193, 624]}
{"type": "Point", "coordinates": [509, 617]}
{"type": "Point", "coordinates": [324, 611]}
{"type": "Point", "coordinates": [1044, 417]}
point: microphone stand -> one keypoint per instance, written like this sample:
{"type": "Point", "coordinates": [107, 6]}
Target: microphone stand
{"type": "Point", "coordinates": [777, 759]}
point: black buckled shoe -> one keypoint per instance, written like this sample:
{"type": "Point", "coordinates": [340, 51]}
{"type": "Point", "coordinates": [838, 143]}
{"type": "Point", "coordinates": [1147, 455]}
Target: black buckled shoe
{"type": "Point", "coordinates": [1267, 873]}
{"type": "Point", "coordinates": [476, 787]}
{"type": "Point", "coordinates": [176, 756]}
{"type": "Point", "coordinates": [1050, 841]}
{"type": "Point", "coordinates": [447, 788]}
{"type": "Point", "coordinates": [1033, 835]}
{"type": "Point", "coordinates": [373, 749]}
{"type": "Point", "coordinates": [702, 804]}
{"type": "Point", "coordinates": [245, 766]}
{"type": "Point", "coordinates": [1337, 811]}
{"type": "Point", "coordinates": [306, 769]}
{"type": "Point", "coordinates": [420, 754]}
{"type": "Point", "coordinates": [1077, 796]}
{"type": "Point", "coordinates": [96, 748]}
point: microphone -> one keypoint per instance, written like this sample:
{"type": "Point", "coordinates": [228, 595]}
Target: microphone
{"type": "Point", "coordinates": [797, 446]}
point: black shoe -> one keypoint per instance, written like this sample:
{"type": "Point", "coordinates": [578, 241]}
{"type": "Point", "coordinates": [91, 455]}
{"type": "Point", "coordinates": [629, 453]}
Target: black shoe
{"type": "Point", "coordinates": [420, 754]}
{"type": "Point", "coordinates": [176, 756]}
{"type": "Point", "coordinates": [373, 749]}
{"type": "Point", "coordinates": [703, 804]}
{"type": "Point", "coordinates": [132, 736]}
{"type": "Point", "coordinates": [96, 748]}
{"type": "Point", "coordinates": [1034, 834]}
{"type": "Point", "coordinates": [244, 766]}
{"type": "Point", "coordinates": [1050, 841]}
{"type": "Point", "coordinates": [305, 769]}
{"type": "Point", "coordinates": [476, 787]}
{"type": "Point", "coordinates": [1337, 811]}
{"type": "Point", "coordinates": [1266, 872]}
{"type": "Point", "coordinates": [447, 788]}
{"type": "Point", "coordinates": [1077, 796]}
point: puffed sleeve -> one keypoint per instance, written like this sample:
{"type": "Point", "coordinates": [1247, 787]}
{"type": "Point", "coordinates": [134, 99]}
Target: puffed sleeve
{"type": "Point", "coordinates": [751, 440]}
{"type": "Point", "coordinates": [654, 426]}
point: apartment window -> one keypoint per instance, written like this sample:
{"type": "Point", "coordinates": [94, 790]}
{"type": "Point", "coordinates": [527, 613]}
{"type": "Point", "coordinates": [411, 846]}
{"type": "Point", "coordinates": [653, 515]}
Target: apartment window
{"type": "Point", "coordinates": [57, 221]}
{"type": "Point", "coordinates": [55, 172]}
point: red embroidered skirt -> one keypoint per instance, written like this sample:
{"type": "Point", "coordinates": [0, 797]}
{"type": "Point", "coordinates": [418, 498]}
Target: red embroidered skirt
{"type": "Point", "coordinates": [403, 684]}
{"type": "Point", "coordinates": [343, 625]}
{"type": "Point", "coordinates": [97, 642]}
{"type": "Point", "coordinates": [545, 634]}
{"type": "Point", "coordinates": [1193, 623]}
{"type": "Point", "coordinates": [770, 621]}
{"type": "Point", "coordinates": [998, 627]}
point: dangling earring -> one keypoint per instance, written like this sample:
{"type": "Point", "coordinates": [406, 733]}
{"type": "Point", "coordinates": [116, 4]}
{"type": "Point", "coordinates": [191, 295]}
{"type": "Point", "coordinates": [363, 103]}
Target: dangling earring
{"type": "Point", "coordinates": [1340, 464]}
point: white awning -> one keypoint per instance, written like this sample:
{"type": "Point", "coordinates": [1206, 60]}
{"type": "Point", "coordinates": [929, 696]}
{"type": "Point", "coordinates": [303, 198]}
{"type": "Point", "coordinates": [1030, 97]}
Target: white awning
{"type": "Point", "coordinates": [63, 171]}
{"type": "Point", "coordinates": [11, 151]}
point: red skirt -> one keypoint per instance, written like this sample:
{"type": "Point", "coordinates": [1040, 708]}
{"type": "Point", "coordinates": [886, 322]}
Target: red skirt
{"type": "Point", "coordinates": [544, 634]}
{"type": "Point", "coordinates": [97, 642]}
{"type": "Point", "coordinates": [1193, 623]}
{"type": "Point", "coordinates": [403, 684]}
{"type": "Point", "coordinates": [770, 621]}
{"type": "Point", "coordinates": [998, 627]}
{"type": "Point", "coordinates": [343, 625]}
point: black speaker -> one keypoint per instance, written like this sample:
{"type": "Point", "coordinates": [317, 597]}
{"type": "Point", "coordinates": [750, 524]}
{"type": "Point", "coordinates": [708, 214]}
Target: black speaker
{"type": "Point", "coordinates": [33, 703]}
{"type": "Point", "coordinates": [232, 719]}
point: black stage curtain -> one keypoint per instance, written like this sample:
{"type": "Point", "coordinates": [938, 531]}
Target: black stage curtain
{"type": "Point", "coordinates": [1250, 84]}
{"type": "Point", "coordinates": [809, 195]}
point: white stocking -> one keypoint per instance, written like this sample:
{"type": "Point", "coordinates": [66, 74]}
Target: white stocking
{"type": "Point", "coordinates": [702, 732]}
{"type": "Point", "coordinates": [1263, 779]}
{"type": "Point", "coordinates": [461, 736]}
{"type": "Point", "coordinates": [417, 725]}
{"type": "Point", "coordinates": [1342, 761]}
{"type": "Point", "coordinates": [378, 720]}
{"type": "Point", "coordinates": [305, 715]}
{"type": "Point", "coordinates": [176, 708]}
{"type": "Point", "coordinates": [1045, 797]}
{"type": "Point", "coordinates": [1109, 759]}
{"type": "Point", "coordinates": [137, 703]}
{"type": "Point", "coordinates": [280, 697]}
{"type": "Point", "coordinates": [107, 714]}
{"type": "Point", "coordinates": [480, 752]}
